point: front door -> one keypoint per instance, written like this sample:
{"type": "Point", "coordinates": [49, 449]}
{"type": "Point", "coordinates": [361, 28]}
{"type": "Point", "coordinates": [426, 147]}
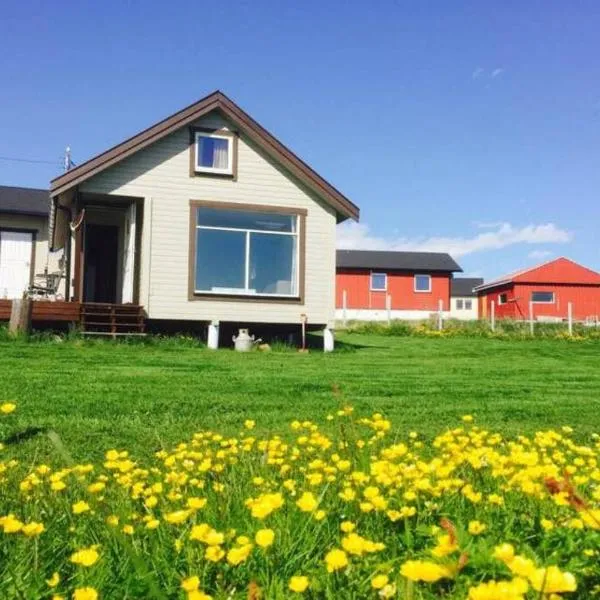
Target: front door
{"type": "Point", "coordinates": [16, 249]}
{"type": "Point", "coordinates": [101, 243]}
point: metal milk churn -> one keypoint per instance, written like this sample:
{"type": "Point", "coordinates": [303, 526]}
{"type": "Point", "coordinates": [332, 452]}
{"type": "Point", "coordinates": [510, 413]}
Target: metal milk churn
{"type": "Point", "coordinates": [243, 342]}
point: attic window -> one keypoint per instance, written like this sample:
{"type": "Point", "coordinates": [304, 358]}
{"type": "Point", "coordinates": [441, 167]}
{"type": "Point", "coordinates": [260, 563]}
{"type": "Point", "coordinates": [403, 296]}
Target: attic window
{"type": "Point", "coordinates": [213, 152]}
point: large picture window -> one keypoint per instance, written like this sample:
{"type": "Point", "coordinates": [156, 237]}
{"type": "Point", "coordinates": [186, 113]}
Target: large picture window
{"type": "Point", "coordinates": [246, 252]}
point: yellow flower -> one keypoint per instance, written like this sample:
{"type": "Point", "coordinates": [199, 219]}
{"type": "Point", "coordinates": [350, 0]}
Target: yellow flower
{"type": "Point", "coordinates": [177, 517]}
{"type": "Point", "coordinates": [85, 557]}
{"type": "Point", "coordinates": [249, 424]}
{"type": "Point", "coordinates": [504, 552]}
{"type": "Point", "coordinates": [467, 418]}
{"type": "Point", "coordinates": [298, 583]}
{"type": "Point", "coordinates": [152, 524]}
{"type": "Point", "coordinates": [80, 507]}
{"type": "Point", "coordinates": [33, 529]}
{"type": "Point", "coordinates": [264, 537]}
{"type": "Point", "coordinates": [7, 407]}
{"type": "Point", "coordinates": [10, 524]}
{"type": "Point", "coordinates": [347, 526]}
{"type": "Point", "coordinates": [422, 570]}
{"type": "Point", "coordinates": [446, 545]}
{"type": "Point", "coordinates": [112, 520]}
{"type": "Point", "coordinates": [54, 580]}
{"type": "Point", "coordinates": [191, 583]}
{"type": "Point", "coordinates": [547, 524]}
{"type": "Point", "coordinates": [307, 502]}
{"type": "Point", "coordinates": [214, 553]}
{"type": "Point", "coordinates": [521, 566]}
{"type": "Point", "coordinates": [128, 529]}
{"type": "Point", "coordinates": [86, 593]}
{"type": "Point", "coordinates": [238, 555]}
{"type": "Point", "coordinates": [198, 595]}
{"type": "Point", "coordinates": [499, 590]}
{"type": "Point", "coordinates": [552, 580]}
{"type": "Point", "coordinates": [476, 527]}
{"type": "Point", "coordinates": [335, 560]}
{"type": "Point", "coordinates": [96, 487]}
{"type": "Point", "coordinates": [196, 503]}
{"type": "Point", "coordinates": [379, 581]}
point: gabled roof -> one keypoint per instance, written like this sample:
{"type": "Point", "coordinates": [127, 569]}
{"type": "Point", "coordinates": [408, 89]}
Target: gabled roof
{"type": "Point", "coordinates": [233, 113]}
{"type": "Point", "coordinates": [24, 201]}
{"type": "Point", "coordinates": [464, 286]}
{"type": "Point", "coordinates": [396, 261]}
{"type": "Point", "coordinates": [556, 271]}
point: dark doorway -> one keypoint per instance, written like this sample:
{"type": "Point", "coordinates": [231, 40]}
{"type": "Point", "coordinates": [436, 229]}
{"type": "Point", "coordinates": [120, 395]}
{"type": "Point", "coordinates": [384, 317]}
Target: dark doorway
{"type": "Point", "coordinates": [100, 263]}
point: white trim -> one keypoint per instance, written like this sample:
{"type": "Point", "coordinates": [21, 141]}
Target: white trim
{"type": "Point", "coordinates": [199, 168]}
{"type": "Point", "coordinates": [427, 291]}
{"type": "Point", "coordinates": [553, 301]}
{"type": "Point", "coordinates": [371, 288]}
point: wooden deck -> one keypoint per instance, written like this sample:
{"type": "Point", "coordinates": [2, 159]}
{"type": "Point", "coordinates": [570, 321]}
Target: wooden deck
{"type": "Point", "coordinates": [111, 319]}
{"type": "Point", "coordinates": [46, 310]}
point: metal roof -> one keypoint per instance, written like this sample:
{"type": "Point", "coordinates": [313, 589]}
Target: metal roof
{"type": "Point", "coordinates": [396, 261]}
{"type": "Point", "coordinates": [24, 201]}
{"type": "Point", "coordinates": [463, 286]}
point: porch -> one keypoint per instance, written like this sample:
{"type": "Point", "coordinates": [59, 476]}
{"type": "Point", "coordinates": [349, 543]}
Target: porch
{"type": "Point", "coordinates": [91, 318]}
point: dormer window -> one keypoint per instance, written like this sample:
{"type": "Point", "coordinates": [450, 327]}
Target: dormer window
{"type": "Point", "coordinates": [213, 152]}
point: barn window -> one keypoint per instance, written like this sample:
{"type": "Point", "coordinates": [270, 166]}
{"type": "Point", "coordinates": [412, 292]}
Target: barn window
{"type": "Point", "coordinates": [459, 304]}
{"type": "Point", "coordinates": [422, 283]}
{"type": "Point", "coordinates": [502, 298]}
{"type": "Point", "coordinates": [378, 282]}
{"type": "Point", "coordinates": [542, 297]}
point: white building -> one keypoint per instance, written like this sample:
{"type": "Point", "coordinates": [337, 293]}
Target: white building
{"type": "Point", "coordinates": [463, 300]}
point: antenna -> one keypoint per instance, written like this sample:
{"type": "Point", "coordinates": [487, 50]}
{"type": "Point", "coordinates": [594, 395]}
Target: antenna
{"type": "Point", "coordinates": [68, 162]}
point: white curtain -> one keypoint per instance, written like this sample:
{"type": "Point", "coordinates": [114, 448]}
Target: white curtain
{"type": "Point", "coordinates": [220, 158]}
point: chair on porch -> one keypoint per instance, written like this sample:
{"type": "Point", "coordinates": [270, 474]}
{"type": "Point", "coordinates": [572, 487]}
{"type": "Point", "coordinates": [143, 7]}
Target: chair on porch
{"type": "Point", "coordinates": [50, 284]}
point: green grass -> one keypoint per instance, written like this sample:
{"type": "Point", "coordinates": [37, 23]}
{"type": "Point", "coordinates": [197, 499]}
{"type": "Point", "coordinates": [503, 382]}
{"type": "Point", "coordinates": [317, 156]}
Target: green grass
{"type": "Point", "coordinates": [145, 396]}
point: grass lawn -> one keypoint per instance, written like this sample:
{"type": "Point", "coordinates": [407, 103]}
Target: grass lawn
{"type": "Point", "coordinates": [102, 395]}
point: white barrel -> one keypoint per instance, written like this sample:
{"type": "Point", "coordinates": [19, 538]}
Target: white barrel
{"type": "Point", "coordinates": [213, 335]}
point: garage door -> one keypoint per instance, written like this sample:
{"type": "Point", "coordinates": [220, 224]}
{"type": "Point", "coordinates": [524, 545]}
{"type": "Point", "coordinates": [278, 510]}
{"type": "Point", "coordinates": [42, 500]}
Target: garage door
{"type": "Point", "coordinates": [15, 263]}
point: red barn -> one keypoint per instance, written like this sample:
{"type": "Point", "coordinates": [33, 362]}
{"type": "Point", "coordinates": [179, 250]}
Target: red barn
{"type": "Point", "coordinates": [549, 287]}
{"type": "Point", "coordinates": [372, 285]}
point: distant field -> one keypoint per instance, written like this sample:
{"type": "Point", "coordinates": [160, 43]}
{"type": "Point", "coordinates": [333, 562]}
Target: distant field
{"type": "Point", "coordinates": [140, 397]}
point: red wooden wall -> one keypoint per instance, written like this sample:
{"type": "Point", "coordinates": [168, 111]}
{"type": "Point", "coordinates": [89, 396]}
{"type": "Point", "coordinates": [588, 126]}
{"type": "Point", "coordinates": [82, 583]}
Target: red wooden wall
{"type": "Point", "coordinates": [400, 286]}
{"type": "Point", "coordinates": [585, 300]}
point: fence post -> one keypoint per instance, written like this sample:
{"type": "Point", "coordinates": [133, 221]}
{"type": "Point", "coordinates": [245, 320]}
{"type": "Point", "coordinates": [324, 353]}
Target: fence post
{"type": "Point", "coordinates": [20, 315]}
{"type": "Point", "coordinates": [440, 315]}
{"type": "Point", "coordinates": [493, 315]}
{"type": "Point", "coordinates": [388, 308]}
{"type": "Point", "coordinates": [344, 307]}
{"type": "Point", "coordinates": [531, 317]}
{"type": "Point", "coordinates": [570, 317]}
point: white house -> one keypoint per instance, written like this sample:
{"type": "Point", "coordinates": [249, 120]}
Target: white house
{"type": "Point", "coordinates": [463, 300]}
{"type": "Point", "coordinates": [203, 216]}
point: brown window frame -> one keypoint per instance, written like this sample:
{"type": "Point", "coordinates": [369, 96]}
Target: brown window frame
{"type": "Point", "coordinates": [234, 150]}
{"type": "Point", "coordinates": [301, 213]}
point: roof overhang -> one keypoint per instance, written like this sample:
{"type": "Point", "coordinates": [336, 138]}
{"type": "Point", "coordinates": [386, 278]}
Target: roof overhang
{"type": "Point", "coordinates": [344, 208]}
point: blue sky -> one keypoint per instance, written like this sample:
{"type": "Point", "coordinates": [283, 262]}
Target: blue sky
{"type": "Point", "coordinates": [470, 127]}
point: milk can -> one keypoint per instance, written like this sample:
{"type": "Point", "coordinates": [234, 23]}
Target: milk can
{"type": "Point", "coordinates": [243, 342]}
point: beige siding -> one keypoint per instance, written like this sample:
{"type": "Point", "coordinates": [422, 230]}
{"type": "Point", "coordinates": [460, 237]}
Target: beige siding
{"type": "Point", "coordinates": [160, 175]}
{"type": "Point", "coordinates": [40, 226]}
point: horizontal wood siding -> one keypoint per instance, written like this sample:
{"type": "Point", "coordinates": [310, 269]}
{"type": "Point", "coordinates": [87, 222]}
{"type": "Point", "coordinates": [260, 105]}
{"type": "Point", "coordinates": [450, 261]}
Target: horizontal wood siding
{"type": "Point", "coordinates": [160, 175]}
{"type": "Point", "coordinates": [43, 310]}
{"type": "Point", "coordinates": [400, 286]}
